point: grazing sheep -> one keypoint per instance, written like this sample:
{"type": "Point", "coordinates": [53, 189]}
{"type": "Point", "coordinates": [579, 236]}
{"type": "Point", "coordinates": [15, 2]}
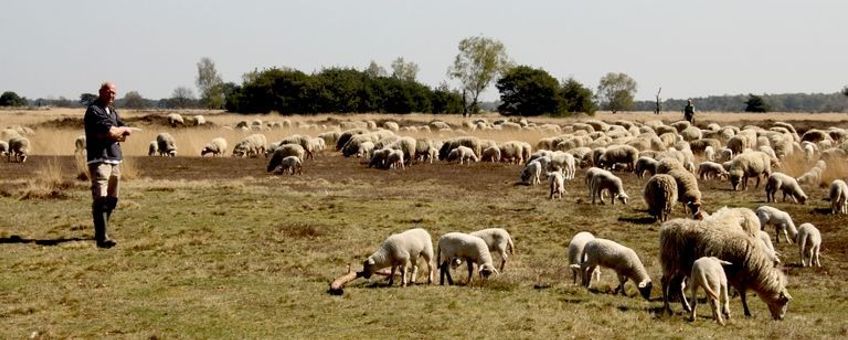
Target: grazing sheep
{"type": "Point", "coordinates": [512, 152]}
{"type": "Point", "coordinates": [688, 192]}
{"type": "Point", "coordinates": [217, 147]}
{"type": "Point", "coordinates": [646, 164]}
{"type": "Point", "coordinates": [562, 161]}
{"type": "Point", "coordinates": [787, 185]}
{"type": "Point", "coordinates": [666, 164]}
{"type": "Point", "coordinates": [282, 152]}
{"type": "Point", "coordinates": [152, 148]}
{"type": "Point", "coordinates": [175, 119]}
{"type": "Point", "coordinates": [251, 146]}
{"type": "Point", "coordinates": [619, 154]}
{"type": "Point", "coordinates": [809, 243]}
{"type": "Point", "coordinates": [166, 145]}
{"type": "Point", "coordinates": [683, 241]}
{"type": "Point", "coordinates": [710, 170]}
{"type": "Point", "coordinates": [532, 173]}
{"type": "Point", "coordinates": [604, 180]}
{"type": "Point", "coordinates": [402, 250]}
{"type": "Point", "coordinates": [4, 148]}
{"type": "Point", "coordinates": [780, 220]}
{"type": "Point", "coordinates": [749, 164]}
{"type": "Point", "coordinates": [472, 143]}
{"type": "Point", "coordinates": [79, 144]}
{"type": "Point", "coordinates": [394, 158]}
{"type": "Point", "coordinates": [623, 260]}
{"type": "Point", "coordinates": [379, 158]}
{"type": "Point", "coordinates": [575, 253]}
{"type": "Point", "coordinates": [838, 195]}
{"type": "Point", "coordinates": [290, 165]}
{"type": "Point", "coordinates": [18, 149]}
{"type": "Point", "coordinates": [557, 184]}
{"type": "Point", "coordinates": [708, 273]}
{"type": "Point", "coordinates": [491, 154]}
{"type": "Point", "coordinates": [460, 246]}
{"type": "Point", "coordinates": [365, 150]}
{"type": "Point", "coordinates": [499, 242]}
{"type": "Point", "coordinates": [660, 196]}
{"type": "Point", "coordinates": [463, 154]}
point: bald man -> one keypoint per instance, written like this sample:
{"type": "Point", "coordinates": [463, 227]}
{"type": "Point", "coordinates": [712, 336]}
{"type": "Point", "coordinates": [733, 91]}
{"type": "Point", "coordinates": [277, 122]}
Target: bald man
{"type": "Point", "coordinates": [104, 130]}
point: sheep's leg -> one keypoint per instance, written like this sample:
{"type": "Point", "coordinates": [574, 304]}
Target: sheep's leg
{"type": "Point", "coordinates": [404, 269]}
{"type": "Point", "coordinates": [801, 245]}
{"type": "Point", "coordinates": [392, 276]}
{"type": "Point", "coordinates": [503, 260]}
{"type": "Point", "coordinates": [744, 299]}
{"type": "Point", "coordinates": [677, 283]}
{"type": "Point", "coordinates": [574, 276]}
{"type": "Point", "coordinates": [693, 289]}
{"type": "Point", "coordinates": [816, 254]}
{"type": "Point", "coordinates": [726, 304]}
{"type": "Point", "coordinates": [470, 265]}
{"type": "Point", "coordinates": [665, 294]}
{"type": "Point", "coordinates": [620, 289]}
{"type": "Point", "coordinates": [714, 304]}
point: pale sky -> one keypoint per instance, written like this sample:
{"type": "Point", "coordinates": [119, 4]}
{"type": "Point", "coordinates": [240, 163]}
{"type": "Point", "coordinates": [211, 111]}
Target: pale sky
{"type": "Point", "coordinates": [690, 48]}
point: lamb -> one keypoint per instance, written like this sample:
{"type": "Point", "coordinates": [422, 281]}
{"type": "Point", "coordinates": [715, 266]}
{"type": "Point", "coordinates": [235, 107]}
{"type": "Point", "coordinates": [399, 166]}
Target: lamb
{"type": "Point", "coordinates": [512, 152]}
{"type": "Point", "coordinates": [787, 184]}
{"type": "Point", "coordinates": [781, 221]}
{"type": "Point", "coordinates": [557, 184]}
{"type": "Point", "coordinates": [291, 165]}
{"type": "Point", "coordinates": [749, 164]}
{"type": "Point", "coordinates": [250, 146]}
{"type": "Point", "coordinates": [809, 243]}
{"type": "Point", "coordinates": [492, 154]}
{"type": "Point", "coordinates": [79, 144]}
{"type": "Point", "coordinates": [605, 180]}
{"type": "Point", "coordinates": [165, 144]}
{"type": "Point", "coordinates": [472, 143]}
{"type": "Point", "coordinates": [18, 149]}
{"type": "Point", "coordinates": [625, 262]}
{"type": "Point", "coordinates": [683, 241]}
{"type": "Point", "coordinates": [365, 150]}
{"type": "Point", "coordinates": [708, 273]}
{"type": "Point", "coordinates": [394, 158]}
{"type": "Point", "coordinates": [499, 242]}
{"type": "Point", "coordinates": [282, 152]}
{"type": "Point", "coordinates": [402, 250]}
{"type": "Point", "coordinates": [531, 173]}
{"type": "Point", "coordinates": [646, 164]}
{"type": "Point", "coordinates": [710, 170]}
{"type": "Point", "coordinates": [562, 161]}
{"type": "Point", "coordinates": [838, 195]}
{"type": "Point", "coordinates": [217, 147]}
{"type": "Point", "coordinates": [575, 253]}
{"type": "Point", "coordinates": [175, 119]}
{"type": "Point", "coordinates": [463, 154]}
{"type": "Point", "coordinates": [471, 249]}
{"type": "Point", "coordinates": [616, 154]}
{"type": "Point", "coordinates": [688, 192]}
{"type": "Point", "coordinates": [661, 196]}
{"type": "Point", "coordinates": [378, 158]}
{"type": "Point", "coordinates": [813, 176]}
{"type": "Point", "coordinates": [152, 148]}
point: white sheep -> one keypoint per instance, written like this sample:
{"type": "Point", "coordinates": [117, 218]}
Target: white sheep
{"type": "Point", "coordinates": [499, 242]}
{"type": "Point", "coordinates": [646, 164]}
{"type": "Point", "coordinates": [18, 149]}
{"type": "Point", "coordinates": [564, 162]}
{"type": "Point", "coordinates": [604, 180]}
{"type": "Point", "coordinates": [175, 119]}
{"type": "Point", "coordinates": [216, 147]}
{"type": "Point", "coordinates": [471, 249]}
{"type": "Point", "coordinates": [838, 195]}
{"type": "Point", "coordinates": [557, 184]}
{"type": "Point", "coordinates": [463, 154]}
{"type": "Point", "coordinates": [291, 165]}
{"type": "Point", "coordinates": [250, 146]}
{"type": "Point", "coordinates": [787, 184]}
{"type": "Point", "coordinates": [395, 159]}
{"type": "Point", "coordinates": [623, 260]}
{"type": "Point", "coordinates": [402, 250]}
{"type": "Point", "coordinates": [709, 170]}
{"type": "Point", "coordinates": [532, 173]}
{"type": "Point", "coordinates": [809, 244]}
{"type": "Point", "coordinates": [749, 164]}
{"type": "Point", "coordinates": [780, 220]}
{"type": "Point", "coordinates": [575, 253]}
{"type": "Point", "coordinates": [707, 272]}
{"type": "Point", "coordinates": [282, 152]}
{"type": "Point", "coordinates": [491, 154]}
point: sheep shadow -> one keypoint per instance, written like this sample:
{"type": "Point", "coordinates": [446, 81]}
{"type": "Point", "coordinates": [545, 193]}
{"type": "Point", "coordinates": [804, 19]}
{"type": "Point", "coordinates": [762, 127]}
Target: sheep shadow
{"type": "Point", "coordinates": [15, 239]}
{"type": "Point", "coordinates": [822, 211]}
{"type": "Point", "coordinates": [638, 220]}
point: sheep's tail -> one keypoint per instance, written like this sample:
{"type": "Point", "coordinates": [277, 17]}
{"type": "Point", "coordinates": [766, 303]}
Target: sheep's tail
{"type": "Point", "coordinates": [438, 255]}
{"type": "Point", "coordinates": [510, 246]}
{"type": "Point", "coordinates": [708, 290]}
{"type": "Point", "coordinates": [725, 263]}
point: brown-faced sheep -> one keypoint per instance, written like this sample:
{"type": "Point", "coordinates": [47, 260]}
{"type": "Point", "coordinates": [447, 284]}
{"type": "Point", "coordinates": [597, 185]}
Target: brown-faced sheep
{"type": "Point", "coordinates": [660, 195]}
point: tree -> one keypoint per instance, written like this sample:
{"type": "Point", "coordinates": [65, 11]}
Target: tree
{"type": "Point", "coordinates": [134, 100]}
{"type": "Point", "coordinates": [845, 91]}
{"type": "Point", "coordinates": [404, 70]}
{"type": "Point", "coordinates": [480, 59]}
{"type": "Point", "coordinates": [446, 100]}
{"type": "Point", "coordinates": [10, 98]}
{"type": "Point", "coordinates": [527, 91]}
{"type": "Point", "coordinates": [209, 84]}
{"type": "Point", "coordinates": [756, 104]}
{"type": "Point", "coordinates": [375, 71]}
{"type": "Point", "coordinates": [616, 91]}
{"type": "Point", "coordinates": [87, 99]}
{"type": "Point", "coordinates": [182, 97]}
{"type": "Point", "coordinates": [577, 98]}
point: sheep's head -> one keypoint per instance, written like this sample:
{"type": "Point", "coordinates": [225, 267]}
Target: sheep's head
{"type": "Point", "coordinates": [695, 209]}
{"type": "Point", "coordinates": [487, 270]}
{"type": "Point", "coordinates": [802, 199]}
{"type": "Point", "coordinates": [645, 289]}
{"type": "Point", "coordinates": [368, 268]}
{"type": "Point", "coordinates": [623, 197]}
{"type": "Point", "coordinates": [735, 179]}
{"type": "Point", "coordinates": [778, 305]}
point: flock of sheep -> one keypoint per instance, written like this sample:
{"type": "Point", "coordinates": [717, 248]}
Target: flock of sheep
{"type": "Point", "coordinates": [703, 250]}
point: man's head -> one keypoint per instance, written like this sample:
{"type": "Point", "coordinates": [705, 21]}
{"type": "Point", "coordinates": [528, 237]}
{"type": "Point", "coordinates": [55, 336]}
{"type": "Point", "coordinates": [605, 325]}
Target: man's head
{"type": "Point", "coordinates": [108, 93]}
{"type": "Point", "coordinates": [689, 101]}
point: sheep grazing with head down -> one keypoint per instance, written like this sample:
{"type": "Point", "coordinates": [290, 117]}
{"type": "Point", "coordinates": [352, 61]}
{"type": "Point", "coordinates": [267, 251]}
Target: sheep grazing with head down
{"type": "Point", "coordinates": [688, 192]}
{"type": "Point", "coordinates": [787, 184]}
{"type": "Point", "coordinates": [285, 151]}
{"type": "Point", "coordinates": [395, 159]}
{"type": "Point", "coordinates": [491, 154]}
{"type": "Point", "coordinates": [838, 195]}
{"type": "Point", "coordinates": [532, 173]}
{"type": "Point", "coordinates": [217, 147]}
{"type": "Point", "coordinates": [707, 272]}
{"type": "Point", "coordinates": [575, 253]}
{"type": "Point", "coordinates": [499, 242]}
{"type": "Point", "coordinates": [250, 146]}
{"type": "Point", "coordinates": [402, 251]}
{"type": "Point", "coordinates": [166, 145]}
{"type": "Point", "coordinates": [780, 220]}
{"type": "Point", "coordinates": [809, 244]}
{"type": "Point", "coordinates": [4, 148]}
{"type": "Point", "coordinates": [623, 260]}
{"type": "Point", "coordinates": [661, 196]}
{"type": "Point", "coordinates": [290, 165]}
{"type": "Point", "coordinates": [557, 184]}
{"type": "Point", "coordinates": [602, 180]}
{"type": "Point", "coordinates": [683, 241]}
{"type": "Point", "coordinates": [462, 154]}
{"type": "Point", "coordinates": [619, 154]}
{"type": "Point", "coordinates": [645, 165]}
{"type": "Point", "coordinates": [18, 149]}
{"type": "Point", "coordinates": [461, 246]}
{"type": "Point", "coordinates": [709, 170]}
{"type": "Point", "coordinates": [749, 164]}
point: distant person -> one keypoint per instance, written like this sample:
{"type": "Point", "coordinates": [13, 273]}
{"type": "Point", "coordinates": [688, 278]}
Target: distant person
{"type": "Point", "coordinates": [104, 131]}
{"type": "Point", "coordinates": [689, 112]}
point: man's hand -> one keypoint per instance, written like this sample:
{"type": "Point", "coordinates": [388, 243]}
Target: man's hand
{"type": "Point", "coordinates": [119, 133]}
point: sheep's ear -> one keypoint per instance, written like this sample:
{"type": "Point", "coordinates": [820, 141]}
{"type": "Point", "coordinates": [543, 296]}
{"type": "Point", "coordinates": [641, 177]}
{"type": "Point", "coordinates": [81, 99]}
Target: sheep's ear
{"type": "Point", "coordinates": [370, 261]}
{"type": "Point", "coordinates": [644, 284]}
{"type": "Point", "coordinates": [784, 295]}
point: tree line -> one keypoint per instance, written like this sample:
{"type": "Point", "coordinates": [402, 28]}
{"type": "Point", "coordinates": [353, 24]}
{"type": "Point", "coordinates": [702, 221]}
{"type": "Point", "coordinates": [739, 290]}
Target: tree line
{"type": "Point", "coordinates": [790, 102]}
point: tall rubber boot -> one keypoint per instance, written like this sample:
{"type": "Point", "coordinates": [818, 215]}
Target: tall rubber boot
{"type": "Point", "coordinates": [100, 215]}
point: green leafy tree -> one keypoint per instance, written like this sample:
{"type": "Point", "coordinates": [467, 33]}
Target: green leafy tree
{"type": "Point", "coordinates": [445, 100]}
{"type": "Point", "coordinates": [10, 98]}
{"type": "Point", "coordinates": [616, 91]}
{"type": "Point", "coordinates": [756, 104]}
{"type": "Point", "coordinates": [527, 91]}
{"type": "Point", "coordinates": [134, 100]}
{"type": "Point", "coordinates": [479, 61]}
{"type": "Point", "coordinates": [209, 84]}
{"type": "Point", "coordinates": [87, 99]}
{"type": "Point", "coordinates": [182, 97]}
{"type": "Point", "coordinates": [374, 70]}
{"type": "Point", "coordinates": [577, 98]}
{"type": "Point", "coordinates": [404, 70]}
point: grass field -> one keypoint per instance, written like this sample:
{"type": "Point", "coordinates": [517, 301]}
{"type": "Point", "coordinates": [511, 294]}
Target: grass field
{"type": "Point", "coordinates": [218, 248]}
